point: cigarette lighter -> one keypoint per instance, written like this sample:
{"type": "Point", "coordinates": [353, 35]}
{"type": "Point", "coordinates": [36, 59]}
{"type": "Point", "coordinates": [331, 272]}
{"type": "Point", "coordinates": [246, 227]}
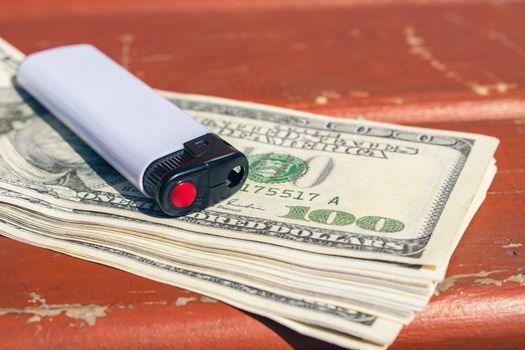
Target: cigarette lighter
{"type": "Point", "coordinates": [162, 151]}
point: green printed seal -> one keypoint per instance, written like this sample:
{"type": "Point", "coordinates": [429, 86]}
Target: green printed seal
{"type": "Point", "coordinates": [273, 168]}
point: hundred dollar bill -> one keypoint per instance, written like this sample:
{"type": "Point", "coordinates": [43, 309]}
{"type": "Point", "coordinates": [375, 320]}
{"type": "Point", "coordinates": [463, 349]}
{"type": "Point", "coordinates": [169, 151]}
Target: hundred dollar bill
{"type": "Point", "coordinates": [245, 296]}
{"type": "Point", "coordinates": [54, 163]}
{"type": "Point", "coordinates": [383, 203]}
{"type": "Point", "coordinates": [331, 323]}
{"type": "Point", "coordinates": [329, 186]}
{"type": "Point", "coordinates": [298, 311]}
{"type": "Point", "coordinates": [291, 261]}
{"type": "Point", "coordinates": [373, 296]}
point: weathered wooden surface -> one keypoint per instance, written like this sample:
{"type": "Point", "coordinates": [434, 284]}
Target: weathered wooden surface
{"type": "Point", "coordinates": [455, 65]}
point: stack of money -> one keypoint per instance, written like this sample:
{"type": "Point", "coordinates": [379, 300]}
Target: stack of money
{"type": "Point", "coordinates": [341, 231]}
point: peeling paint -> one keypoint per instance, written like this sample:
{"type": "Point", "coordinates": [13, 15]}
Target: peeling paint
{"type": "Point", "coordinates": [181, 301]}
{"type": "Point", "coordinates": [503, 39]}
{"type": "Point", "coordinates": [451, 281]}
{"type": "Point", "coordinates": [321, 100]}
{"type": "Point", "coordinates": [485, 280]}
{"type": "Point", "coordinates": [141, 291]}
{"type": "Point", "coordinates": [36, 298]}
{"type": "Point", "coordinates": [206, 299]}
{"type": "Point", "coordinates": [505, 192]}
{"type": "Point", "coordinates": [519, 278]}
{"type": "Point", "coordinates": [125, 49]}
{"type": "Point", "coordinates": [488, 280]}
{"type": "Point", "coordinates": [417, 47]}
{"type": "Point", "coordinates": [325, 96]}
{"type": "Point", "coordinates": [155, 303]}
{"type": "Point", "coordinates": [88, 313]}
{"type": "Point", "coordinates": [445, 285]}
{"type": "Point", "coordinates": [512, 245]}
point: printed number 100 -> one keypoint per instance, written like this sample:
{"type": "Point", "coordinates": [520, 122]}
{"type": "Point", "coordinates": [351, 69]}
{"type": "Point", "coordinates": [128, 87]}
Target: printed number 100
{"type": "Point", "coordinates": [343, 218]}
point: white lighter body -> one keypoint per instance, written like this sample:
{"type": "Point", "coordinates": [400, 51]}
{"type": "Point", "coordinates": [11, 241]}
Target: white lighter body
{"type": "Point", "coordinates": [157, 147]}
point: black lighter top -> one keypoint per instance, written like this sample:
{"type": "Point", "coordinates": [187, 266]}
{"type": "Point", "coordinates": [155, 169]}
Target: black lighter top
{"type": "Point", "coordinates": [206, 171]}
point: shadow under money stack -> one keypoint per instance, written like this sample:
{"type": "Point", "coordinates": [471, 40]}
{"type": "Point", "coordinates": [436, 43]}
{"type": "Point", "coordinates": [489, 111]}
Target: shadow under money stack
{"type": "Point", "coordinates": [341, 231]}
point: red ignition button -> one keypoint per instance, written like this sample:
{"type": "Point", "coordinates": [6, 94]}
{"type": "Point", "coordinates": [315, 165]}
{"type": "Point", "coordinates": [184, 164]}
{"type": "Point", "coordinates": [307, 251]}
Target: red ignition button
{"type": "Point", "coordinates": [183, 194]}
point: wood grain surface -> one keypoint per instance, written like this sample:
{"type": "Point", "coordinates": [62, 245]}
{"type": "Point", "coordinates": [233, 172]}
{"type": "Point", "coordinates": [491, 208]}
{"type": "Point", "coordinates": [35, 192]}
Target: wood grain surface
{"type": "Point", "coordinates": [457, 65]}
